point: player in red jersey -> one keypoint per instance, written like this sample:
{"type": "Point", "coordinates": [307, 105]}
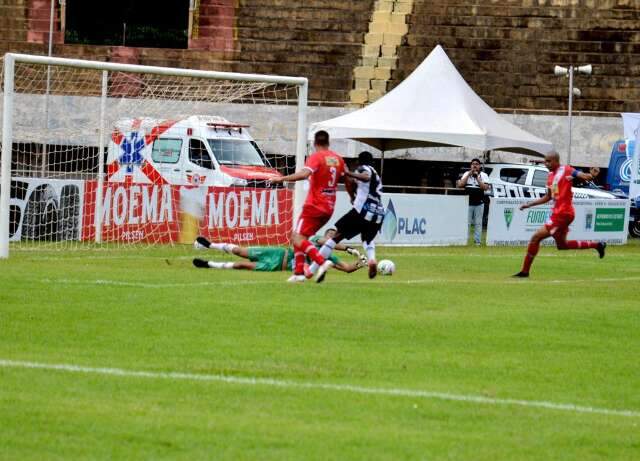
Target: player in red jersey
{"type": "Point", "coordinates": [559, 185]}
{"type": "Point", "coordinates": [324, 168]}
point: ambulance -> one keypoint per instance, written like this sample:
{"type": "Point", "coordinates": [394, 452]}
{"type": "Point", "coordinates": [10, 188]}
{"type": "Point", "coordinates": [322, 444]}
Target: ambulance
{"type": "Point", "coordinates": [198, 150]}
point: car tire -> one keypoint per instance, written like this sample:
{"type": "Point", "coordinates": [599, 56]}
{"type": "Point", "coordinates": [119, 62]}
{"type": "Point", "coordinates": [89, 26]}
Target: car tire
{"type": "Point", "coordinates": [634, 229]}
{"type": "Point", "coordinates": [41, 215]}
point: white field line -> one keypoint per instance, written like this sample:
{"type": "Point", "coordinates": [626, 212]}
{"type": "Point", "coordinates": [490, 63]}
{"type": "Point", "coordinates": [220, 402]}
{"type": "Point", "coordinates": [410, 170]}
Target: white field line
{"type": "Point", "coordinates": [254, 381]}
{"type": "Point", "coordinates": [160, 285]}
{"type": "Point", "coordinates": [93, 256]}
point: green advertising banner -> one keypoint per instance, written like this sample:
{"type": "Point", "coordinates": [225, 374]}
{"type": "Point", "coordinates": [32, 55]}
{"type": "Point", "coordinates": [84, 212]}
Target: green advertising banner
{"type": "Point", "coordinates": [610, 219]}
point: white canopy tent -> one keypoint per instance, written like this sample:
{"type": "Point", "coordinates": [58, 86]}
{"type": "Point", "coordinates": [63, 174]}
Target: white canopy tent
{"type": "Point", "coordinates": [432, 107]}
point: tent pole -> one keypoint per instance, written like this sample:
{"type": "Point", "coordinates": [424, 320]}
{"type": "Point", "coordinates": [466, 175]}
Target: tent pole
{"type": "Point", "coordinates": [382, 165]}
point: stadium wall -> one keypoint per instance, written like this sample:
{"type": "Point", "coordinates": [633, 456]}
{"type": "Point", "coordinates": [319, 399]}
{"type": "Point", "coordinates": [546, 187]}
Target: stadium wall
{"type": "Point", "coordinates": [505, 49]}
{"type": "Point", "coordinates": [592, 136]}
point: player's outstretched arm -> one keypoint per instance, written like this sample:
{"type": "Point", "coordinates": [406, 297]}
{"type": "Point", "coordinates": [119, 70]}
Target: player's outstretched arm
{"type": "Point", "coordinates": [348, 268]}
{"type": "Point", "coordinates": [297, 176]}
{"type": "Point", "coordinates": [593, 174]}
{"type": "Point", "coordinates": [540, 201]}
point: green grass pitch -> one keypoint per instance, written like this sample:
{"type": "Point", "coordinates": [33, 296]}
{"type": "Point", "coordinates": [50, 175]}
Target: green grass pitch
{"type": "Point", "coordinates": [421, 365]}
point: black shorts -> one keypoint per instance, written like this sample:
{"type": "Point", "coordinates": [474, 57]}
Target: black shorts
{"type": "Point", "coordinates": [352, 224]}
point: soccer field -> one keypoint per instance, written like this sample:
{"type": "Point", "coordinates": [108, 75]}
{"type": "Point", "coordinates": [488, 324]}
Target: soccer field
{"type": "Point", "coordinates": [121, 355]}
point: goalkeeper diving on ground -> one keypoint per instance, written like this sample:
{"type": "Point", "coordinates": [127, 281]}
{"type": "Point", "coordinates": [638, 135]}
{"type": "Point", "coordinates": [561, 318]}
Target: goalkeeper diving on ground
{"type": "Point", "coordinates": [272, 259]}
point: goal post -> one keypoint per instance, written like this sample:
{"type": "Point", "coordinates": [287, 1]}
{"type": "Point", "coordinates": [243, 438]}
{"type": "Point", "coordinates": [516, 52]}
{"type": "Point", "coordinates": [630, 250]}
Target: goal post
{"type": "Point", "coordinates": [5, 161]}
{"type": "Point", "coordinates": [203, 139]}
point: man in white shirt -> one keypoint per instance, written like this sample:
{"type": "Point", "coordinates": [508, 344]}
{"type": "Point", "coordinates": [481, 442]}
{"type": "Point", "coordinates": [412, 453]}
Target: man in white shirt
{"type": "Point", "coordinates": [475, 182]}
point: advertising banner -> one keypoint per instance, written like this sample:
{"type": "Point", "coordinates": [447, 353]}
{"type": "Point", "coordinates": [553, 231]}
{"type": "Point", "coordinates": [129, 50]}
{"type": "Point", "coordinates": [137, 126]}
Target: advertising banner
{"type": "Point", "coordinates": [163, 213]}
{"type": "Point", "coordinates": [57, 210]}
{"type": "Point", "coordinates": [631, 123]}
{"type": "Point", "coordinates": [601, 220]}
{"type": "Point", "coordinates": [420, 220]}
{"type": "Point", "coordinates": [45, 209]}
{"type": "Point", "coordinates": [634, 180]}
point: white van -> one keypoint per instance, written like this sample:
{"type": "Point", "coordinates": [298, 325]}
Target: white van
{"type": "Point", "coordinates": [197, 150]}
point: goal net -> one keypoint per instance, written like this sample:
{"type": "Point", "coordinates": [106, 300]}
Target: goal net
{"type": "Point", "coordinates": [116, 154]}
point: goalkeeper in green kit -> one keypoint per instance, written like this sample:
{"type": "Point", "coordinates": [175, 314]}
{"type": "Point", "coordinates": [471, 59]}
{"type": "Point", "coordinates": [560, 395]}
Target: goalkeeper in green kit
{"type": "Point", "coordinates": [270, 259]}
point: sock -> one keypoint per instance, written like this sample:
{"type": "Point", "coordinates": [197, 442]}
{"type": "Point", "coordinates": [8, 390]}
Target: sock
{"type": "Point", "coordinates": [217, 265]}
{"type": "Point", "coordinates": [532, 251]}
{"type": "Point", "coordinates": [581, 244]}
{"type": "Point", "coordinates": [312, 252]}
{"type": "Point", "coordinates": [325, 252]}
{"type": "Point", "coordinates": [327, 248]}
{"type": "Point", "coordinates": [298, 266]}
{"type": "Point", "coordinates": [226, 247]}
{"type": "Point", "coordinates": [370, 249]}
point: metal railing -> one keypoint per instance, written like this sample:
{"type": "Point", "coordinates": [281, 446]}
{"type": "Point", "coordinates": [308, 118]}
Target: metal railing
{"type": "Point", "coordinates": [423, 190]}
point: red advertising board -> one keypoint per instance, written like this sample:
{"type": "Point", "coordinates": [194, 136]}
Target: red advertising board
{"type": "Point", "coordinates": [163, 213]}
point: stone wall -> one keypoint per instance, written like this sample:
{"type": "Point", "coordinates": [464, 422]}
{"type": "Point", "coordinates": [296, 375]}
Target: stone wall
{"type": "Point", "coordinates": [317, 39]}
{"type": "Point", "coordinates": [506, 49]}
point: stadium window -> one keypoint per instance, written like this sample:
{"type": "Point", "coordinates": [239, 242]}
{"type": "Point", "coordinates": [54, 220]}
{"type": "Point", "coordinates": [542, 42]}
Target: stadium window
{"type": "Point", "coordinates": [139, 23]}
{"type": "Point", "coordinates": [514, 175]}
{"type": "Point", "coordinates": [540, 178]}
{"type": "Point", "coordinates": [166, 150]}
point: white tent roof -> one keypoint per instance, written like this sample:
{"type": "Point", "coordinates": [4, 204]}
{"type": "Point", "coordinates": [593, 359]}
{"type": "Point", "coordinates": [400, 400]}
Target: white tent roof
{"type": "Point", "coordinates": [432, 107]}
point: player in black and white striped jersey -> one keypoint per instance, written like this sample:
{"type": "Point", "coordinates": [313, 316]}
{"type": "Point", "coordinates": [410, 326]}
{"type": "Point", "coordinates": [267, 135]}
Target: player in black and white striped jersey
{"type": "Point", "coordinates": [366, 216]}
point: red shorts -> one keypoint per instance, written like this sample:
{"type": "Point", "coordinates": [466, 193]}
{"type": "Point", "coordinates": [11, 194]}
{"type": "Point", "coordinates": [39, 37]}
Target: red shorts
{"type": "Point", "coordinates": [310, 222]}
{"type": "Point", "coordinates": [558, 224]}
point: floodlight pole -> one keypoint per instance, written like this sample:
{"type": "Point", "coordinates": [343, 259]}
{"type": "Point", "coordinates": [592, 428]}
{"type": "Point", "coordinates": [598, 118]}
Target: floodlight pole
{"type": "Point", "coordinates": [570, 112]}
{"type": "Point", "coordinates": [563, 71]}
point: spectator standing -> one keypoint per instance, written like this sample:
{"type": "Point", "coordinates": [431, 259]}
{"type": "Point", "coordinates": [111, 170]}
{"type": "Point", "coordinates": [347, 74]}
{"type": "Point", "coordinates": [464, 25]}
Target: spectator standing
{"type": "Point", "coordinates": [475, 182]}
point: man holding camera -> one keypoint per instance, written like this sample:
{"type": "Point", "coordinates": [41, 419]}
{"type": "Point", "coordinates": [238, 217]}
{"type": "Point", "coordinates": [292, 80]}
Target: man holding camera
{"type": "Point", "coordinates": [475, 182]}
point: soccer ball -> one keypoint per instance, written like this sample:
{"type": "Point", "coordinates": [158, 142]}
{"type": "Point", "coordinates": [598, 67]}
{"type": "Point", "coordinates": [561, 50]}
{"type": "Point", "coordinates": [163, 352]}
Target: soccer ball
{"type": "Point", "coordinates": [386, 267]}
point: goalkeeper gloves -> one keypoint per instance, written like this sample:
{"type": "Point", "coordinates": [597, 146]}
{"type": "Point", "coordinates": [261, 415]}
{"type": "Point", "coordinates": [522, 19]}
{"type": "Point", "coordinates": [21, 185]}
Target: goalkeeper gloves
{"type": "Point", "coordinates": [353, 252]}
{"type": "Point", "coordinates": [362, 261]}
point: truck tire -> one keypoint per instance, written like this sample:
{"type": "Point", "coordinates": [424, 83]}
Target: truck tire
{"type": "Point", "coordinates": [69, 212]}
{"type": "Point", "coordinates": [41, 215]}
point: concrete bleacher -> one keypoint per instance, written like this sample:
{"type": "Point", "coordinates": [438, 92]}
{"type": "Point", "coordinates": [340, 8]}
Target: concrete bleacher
{"type": "Point", "coordinates": [318, 39]}
{"type": "Point", "coordinates": [507, 49]}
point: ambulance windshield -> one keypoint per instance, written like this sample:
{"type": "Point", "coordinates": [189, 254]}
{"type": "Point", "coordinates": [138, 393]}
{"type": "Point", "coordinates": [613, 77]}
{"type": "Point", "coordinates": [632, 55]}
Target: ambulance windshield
{"type": "Point", "coordinates": [240, 152]}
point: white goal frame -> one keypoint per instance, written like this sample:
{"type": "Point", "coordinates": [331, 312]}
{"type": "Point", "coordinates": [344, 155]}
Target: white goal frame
{"type": "Point", "coordinates": [10, 59]}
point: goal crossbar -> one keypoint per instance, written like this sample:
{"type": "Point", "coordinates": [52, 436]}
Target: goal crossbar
{"type": "Point", "coordinates": [137, 68]}
{"type": "Point", "coordinates": [10, 60]}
